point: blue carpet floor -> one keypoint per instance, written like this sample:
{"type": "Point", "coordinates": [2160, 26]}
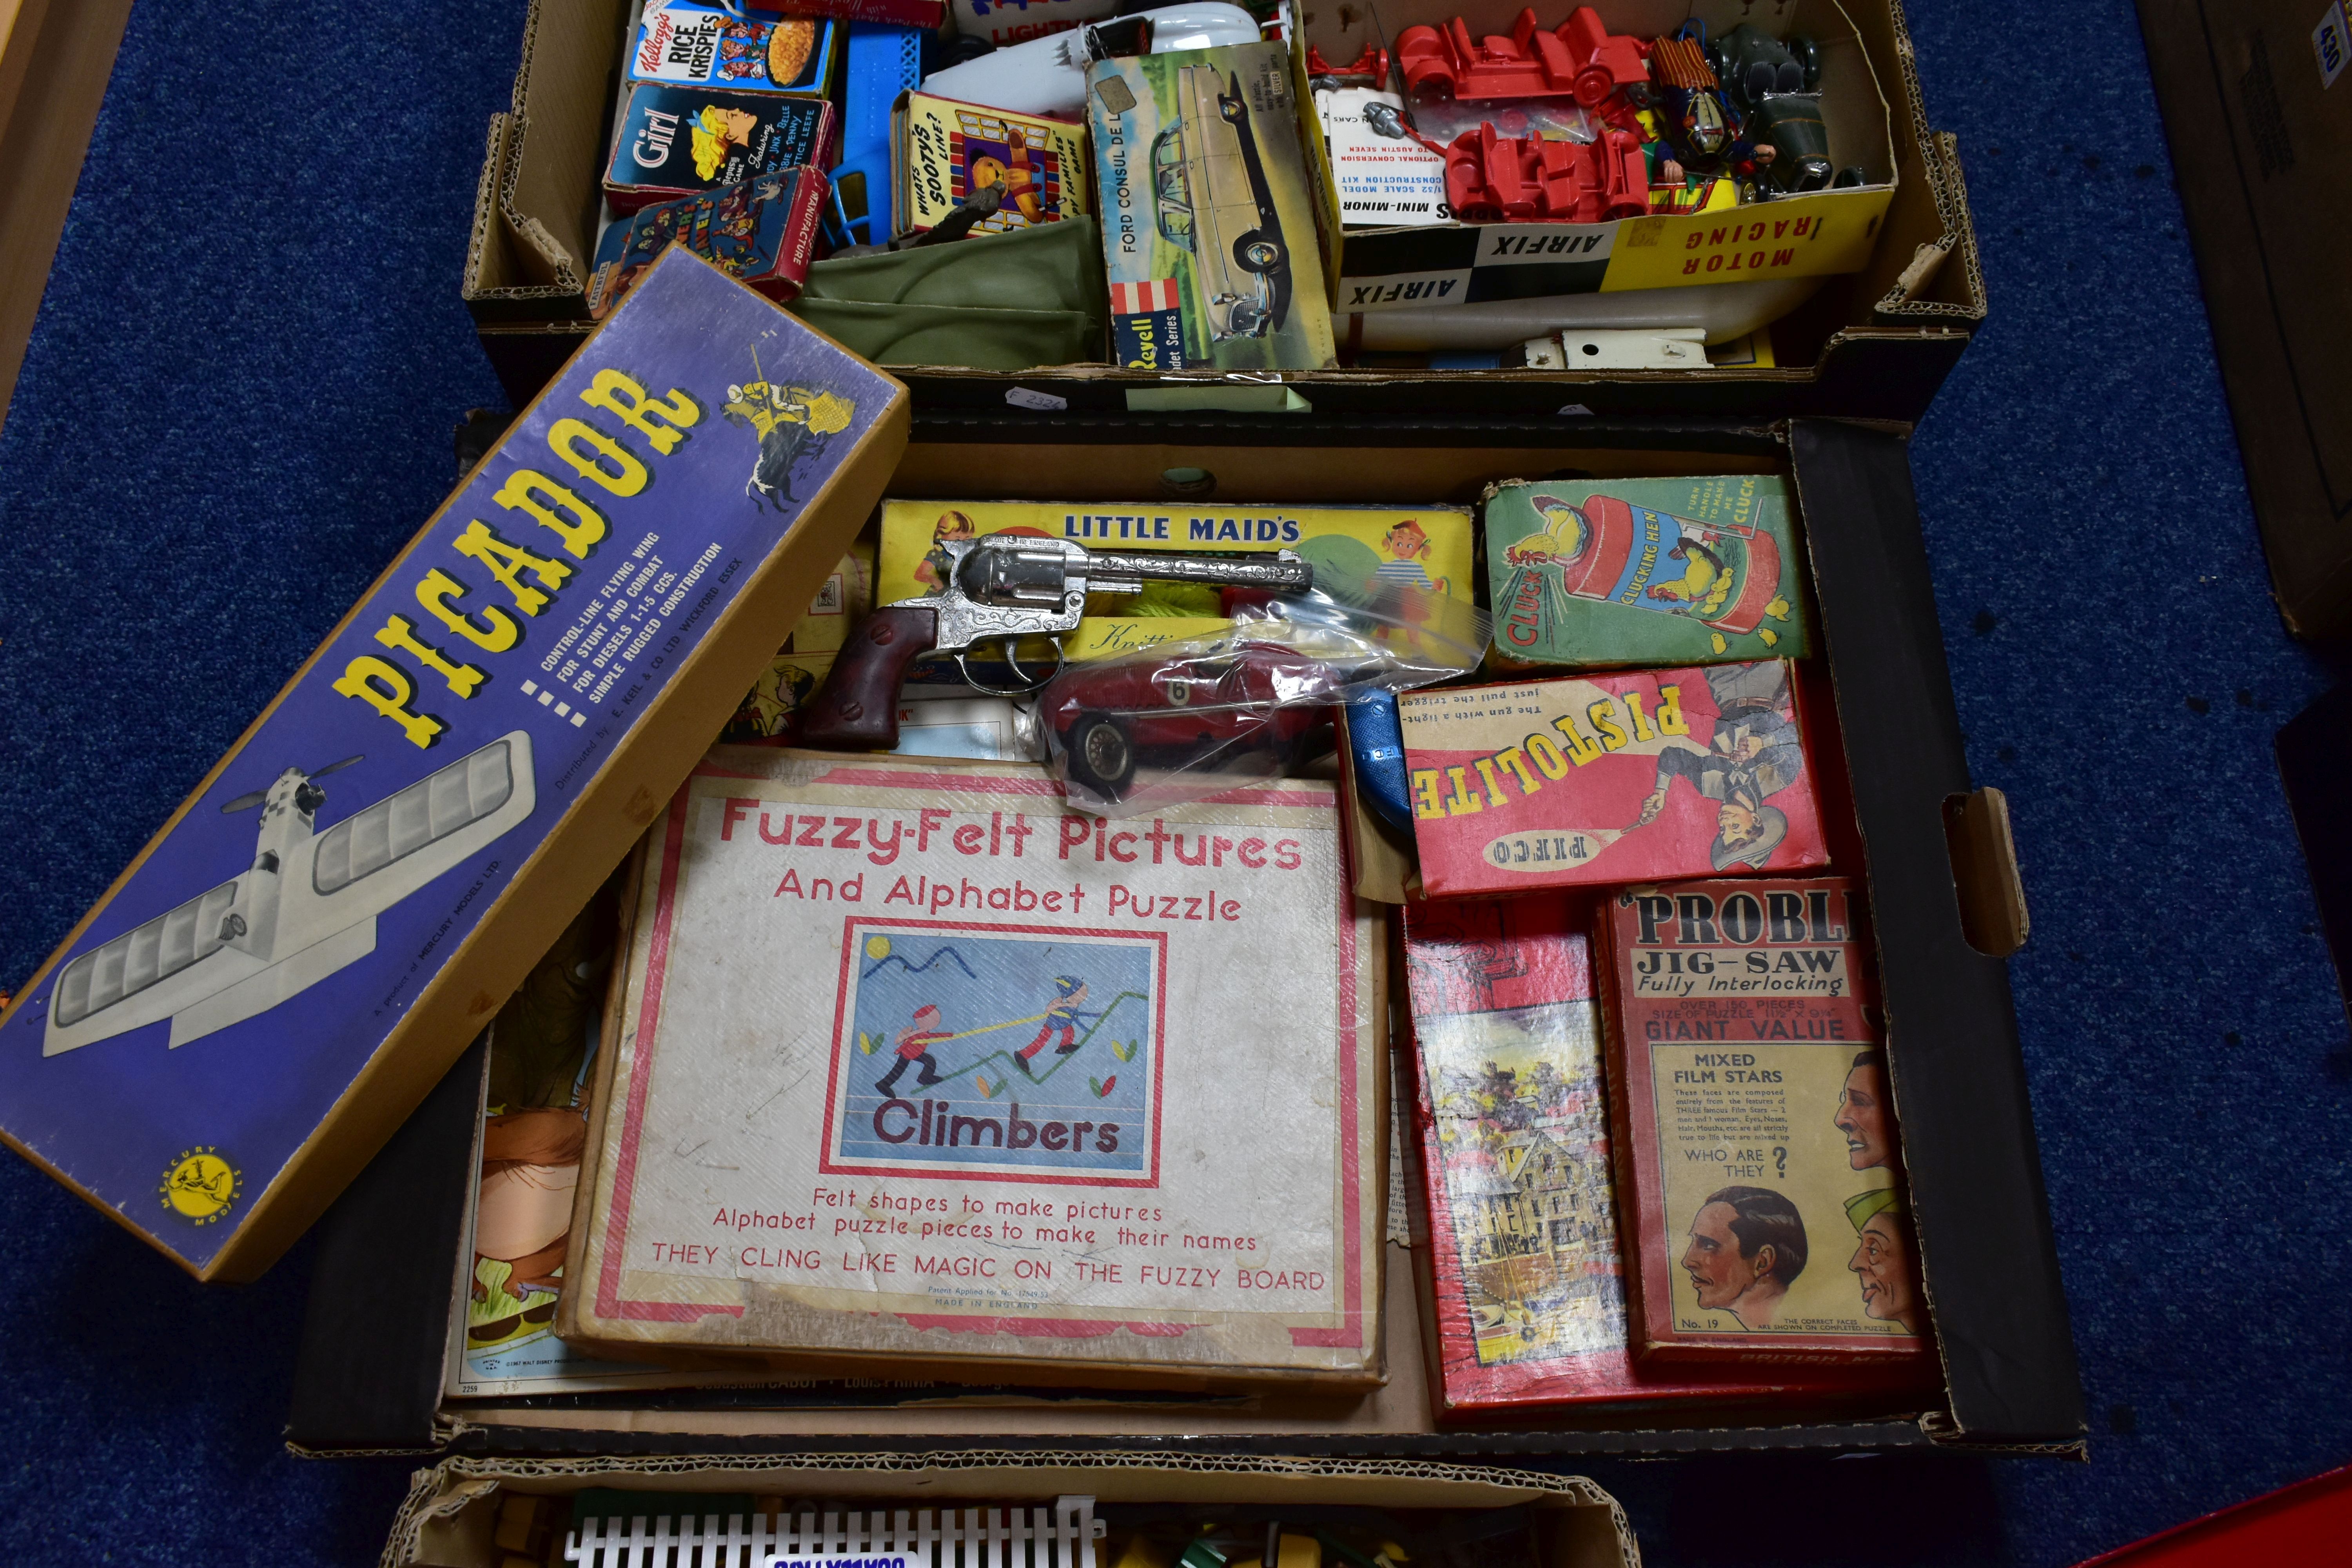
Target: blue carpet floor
{"type": "Point", "coordinates": [237, 404]}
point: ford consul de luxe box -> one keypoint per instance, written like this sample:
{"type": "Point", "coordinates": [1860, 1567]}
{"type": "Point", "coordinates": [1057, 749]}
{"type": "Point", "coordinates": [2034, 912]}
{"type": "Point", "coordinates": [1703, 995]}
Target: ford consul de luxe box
{"type": "Point", "coordinates": [321, 929]}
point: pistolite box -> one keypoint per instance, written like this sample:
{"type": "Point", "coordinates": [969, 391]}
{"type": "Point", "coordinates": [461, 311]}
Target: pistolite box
{"type": "Point", "coordinates": [321, 927]}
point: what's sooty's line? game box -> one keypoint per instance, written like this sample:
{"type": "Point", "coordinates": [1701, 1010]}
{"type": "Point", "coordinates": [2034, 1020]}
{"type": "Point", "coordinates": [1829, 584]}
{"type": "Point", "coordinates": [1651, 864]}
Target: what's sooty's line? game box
{"type": "Point", "coordinates": [910, 1064]}
{"type": "Point", "coordinates": [345, 900]}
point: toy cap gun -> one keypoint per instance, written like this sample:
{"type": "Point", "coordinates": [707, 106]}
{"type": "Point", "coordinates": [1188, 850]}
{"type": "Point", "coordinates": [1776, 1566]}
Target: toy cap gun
{"type": "Point", "coordinates": [999, 589]}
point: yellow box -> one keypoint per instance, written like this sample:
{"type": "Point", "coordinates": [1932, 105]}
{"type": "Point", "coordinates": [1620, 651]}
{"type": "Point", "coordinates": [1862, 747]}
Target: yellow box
{"type": "Point", "coordinates": [1424, 547]}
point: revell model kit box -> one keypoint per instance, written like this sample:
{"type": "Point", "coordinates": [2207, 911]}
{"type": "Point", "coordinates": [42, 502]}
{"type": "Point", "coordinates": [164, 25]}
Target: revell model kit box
{"type": "Point", "coordinates": [344, 902]}
{"type": "Point", "coordinates": [1645, 775]}
{"type": "Point", "coordinates": [696, 43]}
{"type": "Point", "coordinates": [1639, 571]}
{"type": "Point", "coordinates": [1209, 225]}
{"type": "Point", "coordinates": [943, 150]}
{"type": "Point", "coordinates": [1427, 547]}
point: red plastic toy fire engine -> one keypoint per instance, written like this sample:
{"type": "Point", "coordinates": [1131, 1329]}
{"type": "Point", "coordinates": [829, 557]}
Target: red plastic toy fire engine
{"type": "Point", "coordinates": [1504, 179]}
{"type": "Point", "coordinates": [1604, 71]}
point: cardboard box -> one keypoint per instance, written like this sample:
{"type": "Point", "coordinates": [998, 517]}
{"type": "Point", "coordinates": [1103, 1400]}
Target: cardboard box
{"type": "Point", "coordinates": [511, 700]}
{"type": "Point", "coordinates": [1870, 344]}
{"type": "Point", "coordinates": [700, 43]}
{"type": "Point", "coordinates": [384, 1283]}
{"type": "Point", "coordinates": [674, 141]}
{"type": "Point", "coordinates": [1365, 543]}
{"type": "Point", "coordinates": [940, 149]}
{"type": "Point", "coordinates": [957, 1095]}
{"type": "Point", "coordinates": [450, 1517]}
{"type": "Point", "coordinates": [759, 230]}
{"type": "Point", "coordinates": [2257, 115]}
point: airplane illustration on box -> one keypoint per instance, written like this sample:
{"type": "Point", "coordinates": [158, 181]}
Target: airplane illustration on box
{"type": "Point", "coordinates": [306, 909]}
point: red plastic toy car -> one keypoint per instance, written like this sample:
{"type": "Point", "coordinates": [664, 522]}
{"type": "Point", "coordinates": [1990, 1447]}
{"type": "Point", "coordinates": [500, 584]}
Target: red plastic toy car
{"type": "Point", "coordinates": [1604, 71]}
{"type": "Point", "coordinates": [1502, 179]}
{"type": "Point", "coordinates": [1109, 718]}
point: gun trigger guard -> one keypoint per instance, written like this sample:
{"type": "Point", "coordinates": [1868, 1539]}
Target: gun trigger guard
{"type": "Point", "coordinates": [1032, 684]}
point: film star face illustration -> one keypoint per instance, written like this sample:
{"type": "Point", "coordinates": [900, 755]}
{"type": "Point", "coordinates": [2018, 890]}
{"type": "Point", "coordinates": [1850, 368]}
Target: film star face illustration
{"type": "Point", "coordinates": [1746, 1248]}
{"type": "Point", "coordinates": [1862, 1114]}
{"type": "Point", "coordinates": [1882, 1258]}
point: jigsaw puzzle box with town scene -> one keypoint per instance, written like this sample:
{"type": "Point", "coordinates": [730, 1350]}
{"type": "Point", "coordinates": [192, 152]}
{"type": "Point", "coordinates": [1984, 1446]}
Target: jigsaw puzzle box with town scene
{"type": "Point", "coordinates": [347, 897]}
{"type": "Point", "coordinates": [913, 1072]}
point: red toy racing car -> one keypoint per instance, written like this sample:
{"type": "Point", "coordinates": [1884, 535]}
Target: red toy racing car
{"type": "Point", "coordinates": [1502, 179]}
{"type": "Point", "coordinates": [1109, 718]}
{"type": "Point", "coordinates": [1606, 72]}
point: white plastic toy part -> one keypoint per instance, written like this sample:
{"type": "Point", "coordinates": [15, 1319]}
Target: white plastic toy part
{"type": "Point", "coordinates": [1060, 1536]}
{"type": "Point", "coordinates": [1668, 348]}
{"type": "Point", "coordinates": [1722, 311]}
{"type": "Point", "coordinates": [1048, 75]}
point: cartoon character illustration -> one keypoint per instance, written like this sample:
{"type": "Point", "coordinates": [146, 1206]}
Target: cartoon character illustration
{"type": "Point", "coordinates": [1754, 754]}
{"type": "Point", "coordinates": [915, 1045]}
{"type": "Point", "coordinates": [1882, 1258]}
{"type": "Point", "coordinates": [1061, 1018]}
{"type": "Point", "coordinates": [791, 422]}
{"type": "Point", "coordinates": [1746, 1248]}
{"type": "Point", "coordinates": [1862, 1114]}
{"type": "Point", "coordinates": [305, 908]}
{"type": "Point", "coordinates": [952, 527]}
{"type": "Point", "coordinates": [1706, 582]}
{"type": "Point", "coordinates": [715, 133]}
{"type": "Point", "coordinates": [991, 151]}
{"type": "Point", "coordinates": [522, 1218]}
{"type": "Point", "coordinates": [1408, 546]}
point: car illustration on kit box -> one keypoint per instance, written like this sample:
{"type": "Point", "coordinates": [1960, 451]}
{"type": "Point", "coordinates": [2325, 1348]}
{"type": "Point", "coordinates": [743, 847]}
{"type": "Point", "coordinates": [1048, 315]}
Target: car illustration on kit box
{"type": "Point", "coordinates": [1209, 229]}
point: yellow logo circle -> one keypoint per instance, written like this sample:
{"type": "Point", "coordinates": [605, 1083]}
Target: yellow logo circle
{"type": "Point", "coordinates": [201, 1185]}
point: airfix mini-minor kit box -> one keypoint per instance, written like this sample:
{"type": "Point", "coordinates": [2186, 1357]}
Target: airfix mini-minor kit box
{"type": "Point", "coordinates": [347, 897]}
{"type": "Point", "coordinates": [1638, 572]}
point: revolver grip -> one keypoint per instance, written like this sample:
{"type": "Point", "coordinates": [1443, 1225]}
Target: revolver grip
{"type": "Point", "coordinates": [856, 709]}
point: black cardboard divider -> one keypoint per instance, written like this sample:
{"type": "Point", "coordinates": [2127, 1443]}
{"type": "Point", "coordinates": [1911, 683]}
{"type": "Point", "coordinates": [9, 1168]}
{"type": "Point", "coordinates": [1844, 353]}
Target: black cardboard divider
{"type": "Point", "coordinates": [1989, 1258]}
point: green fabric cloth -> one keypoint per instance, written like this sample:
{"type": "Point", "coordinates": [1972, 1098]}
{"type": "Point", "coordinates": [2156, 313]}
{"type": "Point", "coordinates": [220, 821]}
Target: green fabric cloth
{"type": "Point", "coordinates": [997, 302]}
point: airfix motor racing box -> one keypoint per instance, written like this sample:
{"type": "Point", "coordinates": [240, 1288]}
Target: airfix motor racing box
{"type": "Point", "coordinates": [1759, 1171]}
{"type": "Point", "coordinates": [1639, 571]}
{"type": "Point", "coordinates": [912, 1072]}
{"type": "Point", "coordinates": [760, 231]}
{"type": "Point", "coordinates": [350, 894]}
{"type": "Point", "coordinates": [1209, 222]}
{"type": "Point", "coordinates": [696, 43]}
{"type": "Point", "coordinates": [1610, 778]}
{"type": "Point", "coordinates": [686, 142]}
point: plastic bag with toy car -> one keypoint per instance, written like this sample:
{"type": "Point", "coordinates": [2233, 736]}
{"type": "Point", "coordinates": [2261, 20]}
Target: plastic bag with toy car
{"type": "Point", "coordinates": [1186, 720]}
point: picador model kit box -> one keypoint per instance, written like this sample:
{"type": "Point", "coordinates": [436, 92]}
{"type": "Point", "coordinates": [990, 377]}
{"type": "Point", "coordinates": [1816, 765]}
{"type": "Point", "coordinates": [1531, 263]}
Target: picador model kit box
{"type": "Point", "coordinates": [915, 1073]}
{"type": "Point", "coordinates": [1759, 1170]}
{"type": "Point", "coordinates": [943, 150]}
{"type": "Point", "coordinates": [1425, 548]}
{"type": "Point", "coordinates": [321, 927]}
{"type": "Point", "coordinates": [1610, 778]}
{"type": "Point", "coordinates": [1209, 223]}
{"type": "Point", "coordinates": [679, 142]}
{"type": "Point", "coordinates": [1639, 571]}
{"type": "Point", "coordinates": [1525, 1285]}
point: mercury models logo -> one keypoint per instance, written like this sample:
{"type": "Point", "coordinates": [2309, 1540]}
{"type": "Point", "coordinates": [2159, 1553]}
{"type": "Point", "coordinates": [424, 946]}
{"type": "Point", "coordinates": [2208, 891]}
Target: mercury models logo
{"type": "Point", "coordinates": [1014, 1052]}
